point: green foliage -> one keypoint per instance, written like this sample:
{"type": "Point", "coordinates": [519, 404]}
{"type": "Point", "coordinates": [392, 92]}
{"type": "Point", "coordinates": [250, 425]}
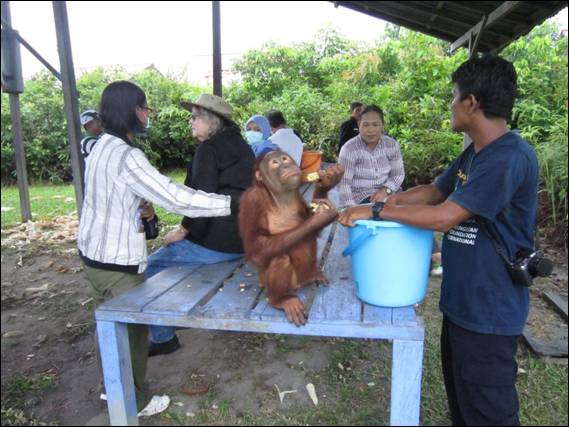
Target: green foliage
{"type": "Point", "coordinates": [168, 144]}
{"type": "Point", "coordinates": [313, 83]}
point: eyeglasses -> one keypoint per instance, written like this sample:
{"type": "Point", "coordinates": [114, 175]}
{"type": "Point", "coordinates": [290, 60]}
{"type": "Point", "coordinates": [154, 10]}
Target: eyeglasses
{"type": "Point", "coordinates": [146, 107]}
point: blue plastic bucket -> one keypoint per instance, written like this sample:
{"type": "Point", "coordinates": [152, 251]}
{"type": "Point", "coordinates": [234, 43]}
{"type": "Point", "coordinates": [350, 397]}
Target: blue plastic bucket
{"type": "Point", "coordinates": [390, 262]}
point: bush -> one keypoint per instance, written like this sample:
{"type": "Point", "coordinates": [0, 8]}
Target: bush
{"type": "Point", "coordinates": [407, 74]}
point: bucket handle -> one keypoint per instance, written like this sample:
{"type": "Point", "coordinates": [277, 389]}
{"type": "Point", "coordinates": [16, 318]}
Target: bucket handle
{"type": "Point", "coordinates": [358, 242]}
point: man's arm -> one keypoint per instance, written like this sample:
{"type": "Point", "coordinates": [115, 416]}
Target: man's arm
{"type": "Point", "coordinates": [420, 195]}
{"type": "Point", "coordinates": [441, 217]}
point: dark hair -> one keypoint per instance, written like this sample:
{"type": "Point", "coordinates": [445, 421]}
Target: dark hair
{"type": "Point", "coordinates": [275, 118]}
{"type": "Point", "coordinates": [375, 109]}
{"type": "Point", "coordinates": [118, 107]}
{"type": "Point", "coordinates": [355, 105]}
{"type": "Point", "coordinates": [492, 81]}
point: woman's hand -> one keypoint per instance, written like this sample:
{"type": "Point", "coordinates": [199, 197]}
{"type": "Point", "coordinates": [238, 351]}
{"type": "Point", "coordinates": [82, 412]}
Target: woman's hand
{"type": "Point", "coordinates": [176, 235]}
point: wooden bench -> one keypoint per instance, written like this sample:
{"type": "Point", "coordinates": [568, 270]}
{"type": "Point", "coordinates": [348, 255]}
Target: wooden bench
{"type": "Point", "coordinates": [227, 297]}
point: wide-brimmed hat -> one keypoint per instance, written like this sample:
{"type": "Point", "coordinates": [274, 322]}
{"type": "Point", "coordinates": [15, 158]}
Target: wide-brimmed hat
{"type": "Point", "coordinates": [213, 103]}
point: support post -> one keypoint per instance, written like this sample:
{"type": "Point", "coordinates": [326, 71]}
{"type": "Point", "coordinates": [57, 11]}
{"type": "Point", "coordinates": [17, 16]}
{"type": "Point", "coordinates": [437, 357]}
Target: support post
{"type": "Point", "coordinates": [15, 115]}
{"type": "Point", "coordinates": [70, 97]}
{"type": "Point", "coordinates": [216, 25]}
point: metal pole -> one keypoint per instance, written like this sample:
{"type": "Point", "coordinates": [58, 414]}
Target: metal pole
{"type": "Point", "coordinates": [70, 97]}
{"type": "Point", "coordinates": [21, 170]}
{"type": "Point", "coordinates": [217, 90]}
{"type": "Point", "coordinates": [32, 50]}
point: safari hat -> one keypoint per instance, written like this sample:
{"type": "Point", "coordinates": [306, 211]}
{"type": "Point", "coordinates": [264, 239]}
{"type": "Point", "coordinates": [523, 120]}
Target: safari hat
{"type": "Point", "coordinates": [213, 103]}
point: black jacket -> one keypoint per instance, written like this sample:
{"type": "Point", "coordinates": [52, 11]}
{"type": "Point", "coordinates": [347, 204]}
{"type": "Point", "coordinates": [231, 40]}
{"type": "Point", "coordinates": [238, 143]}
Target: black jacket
{"type": "Point", "coordinates": [222, 164]}
{"type": "Point", "coordinates": [348, 130]}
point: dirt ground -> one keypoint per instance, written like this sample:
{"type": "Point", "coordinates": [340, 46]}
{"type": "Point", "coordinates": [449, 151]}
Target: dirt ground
{"type": "Point", "coordinates": [50, 373]}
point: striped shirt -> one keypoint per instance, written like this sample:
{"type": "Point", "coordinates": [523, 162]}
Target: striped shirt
{"type": "Point", "coordinates": [118, 177]}
{"type": "Point", "coordinates": [369, 170]}
{"type": "Point", "coordinates": [87, 144]}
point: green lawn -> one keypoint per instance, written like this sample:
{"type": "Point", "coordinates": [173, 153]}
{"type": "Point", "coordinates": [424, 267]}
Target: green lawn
{"type": "Point", "coordinates": [50, 201]}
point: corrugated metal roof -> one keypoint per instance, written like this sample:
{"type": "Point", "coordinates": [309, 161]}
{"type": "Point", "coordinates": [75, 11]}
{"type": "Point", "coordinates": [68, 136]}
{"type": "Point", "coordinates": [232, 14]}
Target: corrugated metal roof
{"type": "Point", "coordinates": [457, 21]}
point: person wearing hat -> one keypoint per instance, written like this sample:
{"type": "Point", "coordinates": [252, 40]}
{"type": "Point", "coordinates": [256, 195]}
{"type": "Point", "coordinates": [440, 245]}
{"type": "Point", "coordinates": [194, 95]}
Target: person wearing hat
{"type": "Point", "coordinates": [223, 164]}
{"type": "Point", "coordinates": [92, 124]}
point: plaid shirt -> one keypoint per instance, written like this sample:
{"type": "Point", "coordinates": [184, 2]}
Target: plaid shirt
{"type": "Point", "coordinates": [118, 177]}
{"type": "Point", "coordinates": [369, 170]}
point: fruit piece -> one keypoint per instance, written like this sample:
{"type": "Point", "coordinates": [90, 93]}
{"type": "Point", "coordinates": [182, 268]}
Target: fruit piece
{"type": "Point", "coordinates": [313, 176]}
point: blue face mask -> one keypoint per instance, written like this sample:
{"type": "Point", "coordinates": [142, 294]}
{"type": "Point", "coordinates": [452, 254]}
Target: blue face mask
{"type": "Point", "coordinates": [253, 137]}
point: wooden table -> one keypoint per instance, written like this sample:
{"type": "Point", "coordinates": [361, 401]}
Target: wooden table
{"type": "Point", "coordinates": [227, 297]}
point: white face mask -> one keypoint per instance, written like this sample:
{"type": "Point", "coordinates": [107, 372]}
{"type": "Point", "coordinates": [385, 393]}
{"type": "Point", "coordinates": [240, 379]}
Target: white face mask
{"type": "Point", "coordinates": [253, 137]}
{"type": "Point", "coordinates": [144, 130]}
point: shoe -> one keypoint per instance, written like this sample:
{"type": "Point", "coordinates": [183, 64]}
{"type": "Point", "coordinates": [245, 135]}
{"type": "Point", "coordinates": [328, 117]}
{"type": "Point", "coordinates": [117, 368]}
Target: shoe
{"type": "Point", "coordinates": [437, 270]}
{"type": "Point", "coordinates": [164, 348]}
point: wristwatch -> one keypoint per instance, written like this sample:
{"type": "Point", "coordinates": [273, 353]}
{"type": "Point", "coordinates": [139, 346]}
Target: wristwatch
{"type": "Point", "coordinates": [388, 191]}
{"type": "Point", "coordinates": [376, 208]}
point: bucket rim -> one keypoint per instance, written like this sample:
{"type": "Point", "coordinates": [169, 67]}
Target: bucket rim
{"type": "Point", "coordinates": [369, 223]}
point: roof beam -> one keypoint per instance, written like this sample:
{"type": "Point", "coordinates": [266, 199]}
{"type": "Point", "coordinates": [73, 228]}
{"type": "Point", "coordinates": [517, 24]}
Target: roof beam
{"type": "Point", "coordinates": [493, 17]}
{"type": "Point", "coordinates": [462, 19]}
{"type": "Point", "coordinates": [406, 18]}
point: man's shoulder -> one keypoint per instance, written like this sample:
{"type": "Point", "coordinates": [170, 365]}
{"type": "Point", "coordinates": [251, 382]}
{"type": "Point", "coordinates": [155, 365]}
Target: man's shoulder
{"type": "Point", "coordinates": [512, 147]}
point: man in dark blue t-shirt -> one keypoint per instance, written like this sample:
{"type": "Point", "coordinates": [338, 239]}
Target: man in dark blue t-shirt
{"type": "Point", "coordinates": [493, 182]}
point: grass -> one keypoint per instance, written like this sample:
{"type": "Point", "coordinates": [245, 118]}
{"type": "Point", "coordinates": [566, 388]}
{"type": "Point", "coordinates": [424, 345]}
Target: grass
{"type": "Point", "coordinates": [350, 400]}
{"type": "Point", "coordinates": [51, 201]}
{"type": "Point", "coordinates": [22, 393]}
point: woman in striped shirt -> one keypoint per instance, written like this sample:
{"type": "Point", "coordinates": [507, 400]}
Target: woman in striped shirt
{"type": "Point", "coordinates": [118, 179]}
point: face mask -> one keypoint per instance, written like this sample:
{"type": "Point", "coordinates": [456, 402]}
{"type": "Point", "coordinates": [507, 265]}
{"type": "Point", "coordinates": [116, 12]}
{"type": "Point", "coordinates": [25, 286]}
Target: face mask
{"type": "Point", "coordinates": [253, 137]}
{"type": "Point", "coordinates": [144, 130]}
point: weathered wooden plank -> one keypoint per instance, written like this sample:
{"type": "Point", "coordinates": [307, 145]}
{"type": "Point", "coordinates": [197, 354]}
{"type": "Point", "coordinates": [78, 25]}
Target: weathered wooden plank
{"type": "Point", "coordinates": [404, 316]}
{"type": "Point", "coordinates": [558, 302]}
{"type": "Point", "coordinates": [193, 290]}
{"type": "Point", "coordinates": [345, 329]}
{"type": "Point", "coordinates": [240, 293]}
{"type": "Point", "coordinates": [558, 349]}
{"type": "Point", "coordinates": [407, 367]}
{"type": "Point", "coordinates": [373, 314]}
{"type": "Point", "coordinates": [338, 300]}
{"type": "Point", "coordinates": [270, 313]}
{"type": "Point", "coordinates": [117, 369]}
{"type": "Point", "coordinates": [135, 299]}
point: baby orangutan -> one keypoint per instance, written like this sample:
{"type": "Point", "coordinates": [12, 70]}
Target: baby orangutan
{"type": "Point", "coordinates": [279, 230]}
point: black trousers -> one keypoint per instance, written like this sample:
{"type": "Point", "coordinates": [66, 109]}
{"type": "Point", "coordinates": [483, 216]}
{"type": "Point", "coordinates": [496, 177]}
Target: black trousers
{"type": "Point", "coordinates": [480, 372]}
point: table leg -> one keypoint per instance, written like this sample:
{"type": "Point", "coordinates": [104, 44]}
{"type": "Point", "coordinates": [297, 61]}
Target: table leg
{"type": "Point", "coordinates": [117, 372]}
{"type": "Point", "coordinates": [406, 371]}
